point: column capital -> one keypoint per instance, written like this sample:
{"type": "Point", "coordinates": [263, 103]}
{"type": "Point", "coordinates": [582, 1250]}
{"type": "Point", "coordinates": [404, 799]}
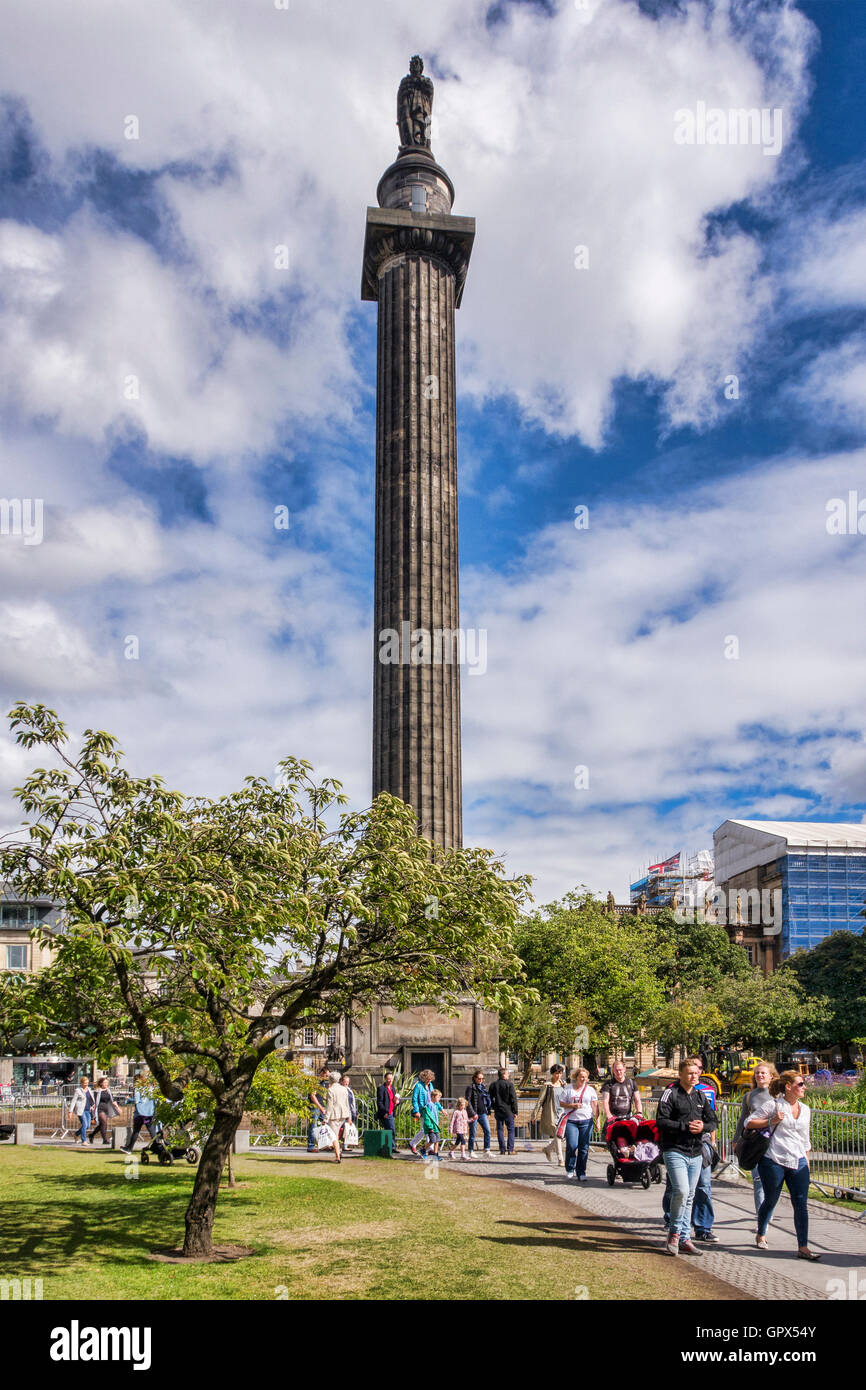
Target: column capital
{"type": "Point", "coordinates": [398, 231]}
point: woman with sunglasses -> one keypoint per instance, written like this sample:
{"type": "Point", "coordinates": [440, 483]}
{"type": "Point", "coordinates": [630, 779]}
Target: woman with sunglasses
{"type": "Point", "coordinates": [787, 1158]}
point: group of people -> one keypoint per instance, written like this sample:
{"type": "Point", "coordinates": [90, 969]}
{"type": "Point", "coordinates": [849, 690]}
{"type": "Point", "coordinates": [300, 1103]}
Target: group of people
{"type": "Point", "coordinates": [567, 1115]}
{"type": "Point", "coordinates": [335, 1114]}
{"type": "Point", "coordinates": [471, 1115]}
{"type": "Point", "coordinates": [93, 1110]}
{"type": "Point", "coordinates": [775, 1109]}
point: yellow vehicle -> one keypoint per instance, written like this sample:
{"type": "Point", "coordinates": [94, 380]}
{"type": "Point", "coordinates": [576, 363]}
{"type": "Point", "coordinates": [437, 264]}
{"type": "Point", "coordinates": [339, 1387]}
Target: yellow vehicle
{"type": "Point", "coordinates": [730, 1073]}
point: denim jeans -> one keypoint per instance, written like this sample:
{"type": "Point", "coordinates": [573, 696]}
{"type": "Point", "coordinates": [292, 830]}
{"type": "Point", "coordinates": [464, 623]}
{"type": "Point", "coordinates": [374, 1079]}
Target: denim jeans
{"type": "Point", "coordinates": [757, 1190]}
{"type": "Point", "coordinates": [485, 1129]}
{"type": "Point", "coordinates": [85, 1125]}
{"type": "Point", "coordinates": [577, 1137]}
{"type": "Point", "coordinates": [703, 1214]}
{"type": "Point", "coordinates": [503, 1126]}
{"type": "Point", "coordinates": [387, 1122]}
{"type": "Point", "coordinates": [797, 1180]}
{"type": "Point", "coordinates": [684, 1171]}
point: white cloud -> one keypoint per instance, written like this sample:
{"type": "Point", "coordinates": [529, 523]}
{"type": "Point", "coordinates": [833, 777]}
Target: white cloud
{"type": "Point", "coordinates": [556, 132]}
{"type": "Point", "coordinates": [607, 649]}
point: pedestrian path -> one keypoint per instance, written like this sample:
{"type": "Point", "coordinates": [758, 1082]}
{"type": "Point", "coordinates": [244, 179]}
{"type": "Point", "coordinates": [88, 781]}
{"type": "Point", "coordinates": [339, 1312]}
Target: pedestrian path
{"type": "Point", "coordinates": [836, 1235]}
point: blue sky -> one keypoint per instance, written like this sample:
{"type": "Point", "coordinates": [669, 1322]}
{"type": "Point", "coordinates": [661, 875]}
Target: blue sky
{"type": "Point", "coordinates": [163, 387]}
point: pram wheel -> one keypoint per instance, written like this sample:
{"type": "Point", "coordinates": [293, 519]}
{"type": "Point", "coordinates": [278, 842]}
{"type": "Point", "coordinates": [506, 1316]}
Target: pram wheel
{"type": "Point", "coordinates": [656, 1173]}
{"type": "Point", "coordinates": [144, 1157]}
{"type": "Point", "coordinates": [611, 1174]}
{"type": "Point", "coordinates": [192, 1154]}
{"type": "Point", "coordinates": [645, 1179]}
{"type": "Point", "coordinates": [166, 1158]}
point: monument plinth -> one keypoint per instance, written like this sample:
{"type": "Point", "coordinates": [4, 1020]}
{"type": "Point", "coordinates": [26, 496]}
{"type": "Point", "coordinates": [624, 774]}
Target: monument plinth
{"type": "Point", "coordinates": [416, 254]}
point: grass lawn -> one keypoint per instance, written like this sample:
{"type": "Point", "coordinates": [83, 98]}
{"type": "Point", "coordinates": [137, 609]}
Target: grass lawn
{"type": "Point", "coordinates": [368, 1229]}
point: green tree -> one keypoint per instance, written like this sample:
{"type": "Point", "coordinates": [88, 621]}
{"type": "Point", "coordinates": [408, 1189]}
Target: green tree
{"type": "Point", "coordinates": [682, 1021]}
{"type": "Point", "coordinates": [590, 967]}
{"type": "Point", "coordinates": [763, 1011]}
{"type": "Point", "coordinates": [836, 967]}
{"type": "Point", "coordinates": [697, 954]}
{"type": "Point", "coordinates": [206, 931]}
{"type": "Point", "coordinates": [534, 1026]}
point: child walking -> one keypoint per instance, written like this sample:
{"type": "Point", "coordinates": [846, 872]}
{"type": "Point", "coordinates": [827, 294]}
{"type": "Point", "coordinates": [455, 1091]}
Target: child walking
{"type": "Point", "coordinates": [459, 1128]}
{"type": "Point", "coordinates": [430, 1116]}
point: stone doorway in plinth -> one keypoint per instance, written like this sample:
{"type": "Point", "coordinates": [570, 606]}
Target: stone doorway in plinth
{"type": "Point", "coordinates": [437, 1061]}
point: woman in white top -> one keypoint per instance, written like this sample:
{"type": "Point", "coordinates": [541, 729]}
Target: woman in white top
{"type": "Point", "coordinates": [338, 1112]}
{"type": "Point", "coordinates": [579, 1102]}
{"type": "Point", "coordinates": [82, 1106]}
{"type": "Point", "coordinates": [787, 1158]}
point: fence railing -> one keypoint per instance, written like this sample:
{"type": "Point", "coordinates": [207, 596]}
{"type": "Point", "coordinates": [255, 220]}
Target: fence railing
{"type": "Point", "coordinates": [51, 1115]}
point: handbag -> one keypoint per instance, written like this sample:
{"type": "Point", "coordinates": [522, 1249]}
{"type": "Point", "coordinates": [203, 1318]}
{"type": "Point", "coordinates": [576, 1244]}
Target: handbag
{"type": "Point", "coordinates": [709, 1155]}
{"type": "Point", "coordinates": [752, 1147]}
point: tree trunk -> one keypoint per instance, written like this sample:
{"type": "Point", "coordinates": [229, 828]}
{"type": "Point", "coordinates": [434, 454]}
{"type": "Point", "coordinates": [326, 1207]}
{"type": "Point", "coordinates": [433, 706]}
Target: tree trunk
{"type": "Point", "coordinates": [202, 1204]}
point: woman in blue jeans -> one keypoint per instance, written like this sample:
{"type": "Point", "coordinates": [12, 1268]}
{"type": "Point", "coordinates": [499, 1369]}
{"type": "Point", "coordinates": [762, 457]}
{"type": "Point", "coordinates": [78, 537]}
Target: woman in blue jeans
{"type": "Point", "coordinates": [787, 1158]}
{"type": "Point", "coordinates": [579, 1101]}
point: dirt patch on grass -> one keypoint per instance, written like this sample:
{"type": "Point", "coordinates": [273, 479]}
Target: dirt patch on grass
{"type": "Point", "coordinates": [328, 1235]}
{"type": "Point", "coordinates": [221, 1254]}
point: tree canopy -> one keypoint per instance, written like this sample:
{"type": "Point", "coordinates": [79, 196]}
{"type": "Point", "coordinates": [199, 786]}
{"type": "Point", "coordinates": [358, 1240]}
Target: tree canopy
{"type": "Point", "coordinates": [836, 967]}
{"type": "Point", "coordinates": [203, 931]}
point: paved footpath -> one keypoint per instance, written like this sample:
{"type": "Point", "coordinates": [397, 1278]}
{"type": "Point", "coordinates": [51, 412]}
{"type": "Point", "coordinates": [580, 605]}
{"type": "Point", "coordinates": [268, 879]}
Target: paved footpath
{"type": "Point", "coordinates": [836, 1235]}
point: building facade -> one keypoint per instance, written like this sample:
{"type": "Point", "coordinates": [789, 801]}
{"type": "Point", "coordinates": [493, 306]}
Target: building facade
{"type": "Point", "coordinates": [20, 955]}
{"type": "Point", "coordinates": [817, 870]}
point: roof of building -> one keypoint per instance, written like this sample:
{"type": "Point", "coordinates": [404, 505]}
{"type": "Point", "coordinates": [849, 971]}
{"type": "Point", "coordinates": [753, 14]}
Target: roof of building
{"type": "Point", "coordinates": [743, 844]}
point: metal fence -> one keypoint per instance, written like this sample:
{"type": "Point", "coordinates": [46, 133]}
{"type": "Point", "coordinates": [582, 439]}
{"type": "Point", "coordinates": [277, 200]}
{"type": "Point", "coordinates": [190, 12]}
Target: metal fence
{"type": "Point", "coordinates": [50, 1112]}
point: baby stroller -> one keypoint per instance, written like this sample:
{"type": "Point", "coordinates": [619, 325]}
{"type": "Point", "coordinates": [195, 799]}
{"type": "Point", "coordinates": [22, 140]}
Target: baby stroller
{"type": "Point", "coordinates": [173, 1142]}
{"type": "Point", "coordinates": [624, 1135]}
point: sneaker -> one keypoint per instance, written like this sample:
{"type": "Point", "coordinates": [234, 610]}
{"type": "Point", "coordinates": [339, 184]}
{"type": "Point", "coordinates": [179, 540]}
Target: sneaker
{"type": "Point", "coordinates": [706, 1237]}
{"type": "Point", "coordinates": [412, 1149]}
{"type": "Point", "coordinates": [672, 1245]}
{"type": "Point", "coordinates": [471, 1156]}
{"type": "Point", "coordinates": [583, 1178]}
{"type": "Point", "coordinates": [687, 1248]}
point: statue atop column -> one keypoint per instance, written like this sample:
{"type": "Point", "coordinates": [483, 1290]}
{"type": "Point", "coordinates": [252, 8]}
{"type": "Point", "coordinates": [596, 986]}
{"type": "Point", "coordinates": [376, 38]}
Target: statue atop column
{"type": "Point", "coordinates": [414, 107]}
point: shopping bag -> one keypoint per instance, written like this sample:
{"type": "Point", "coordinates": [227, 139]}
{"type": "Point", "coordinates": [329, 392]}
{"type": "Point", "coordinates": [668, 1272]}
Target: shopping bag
{"type": "Point", "coordinates": [350, 1136]}
{"type": "Point", "coordinates": [324, 1137]}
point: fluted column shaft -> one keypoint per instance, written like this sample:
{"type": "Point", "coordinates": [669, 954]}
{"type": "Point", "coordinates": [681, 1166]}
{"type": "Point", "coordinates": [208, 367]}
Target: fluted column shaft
{"type": "Point", "coordinates": [416, 703]}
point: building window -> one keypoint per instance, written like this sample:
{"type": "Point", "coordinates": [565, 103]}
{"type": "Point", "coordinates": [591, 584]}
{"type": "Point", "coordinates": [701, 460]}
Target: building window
{"type": "Point", "coordinates": [309, 1037]}
{"type": "Point", "coordinates": [750, 954]}
{"type": "Point", "coordinates": [18, 915]}
{"type": "Point", "coordinates": [629, 1049]}
{"type": "Point", "coordinates": [419, 197]}
{"type": "Point", "coordinates": [16, 957]}
{"type": "Point", "coordinates": [331, 1037]}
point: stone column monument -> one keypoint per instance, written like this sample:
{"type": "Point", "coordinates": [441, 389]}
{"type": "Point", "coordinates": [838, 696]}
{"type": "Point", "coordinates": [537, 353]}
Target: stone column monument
{"type": "Point", "coordinates": [415, 259]}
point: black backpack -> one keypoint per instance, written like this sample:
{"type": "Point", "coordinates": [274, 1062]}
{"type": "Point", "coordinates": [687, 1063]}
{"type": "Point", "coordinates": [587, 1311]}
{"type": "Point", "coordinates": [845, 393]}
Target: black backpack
{"type": "Point", "coordinates": [752, 1147]}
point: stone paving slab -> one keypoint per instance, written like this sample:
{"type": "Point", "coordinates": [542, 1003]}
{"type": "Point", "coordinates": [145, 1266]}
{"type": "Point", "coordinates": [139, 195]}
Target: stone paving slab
{"type": "Point", "coordinates": [836, 1235]}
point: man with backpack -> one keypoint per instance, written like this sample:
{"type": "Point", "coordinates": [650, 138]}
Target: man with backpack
{"type": "Point", "coordinates": [685, 1120]}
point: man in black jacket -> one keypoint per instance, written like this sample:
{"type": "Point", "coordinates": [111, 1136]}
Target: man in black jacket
{"type": "Point", "coordinates": [503, 1098]}
{"type": "Point", "coordinates": [684, 1118]}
